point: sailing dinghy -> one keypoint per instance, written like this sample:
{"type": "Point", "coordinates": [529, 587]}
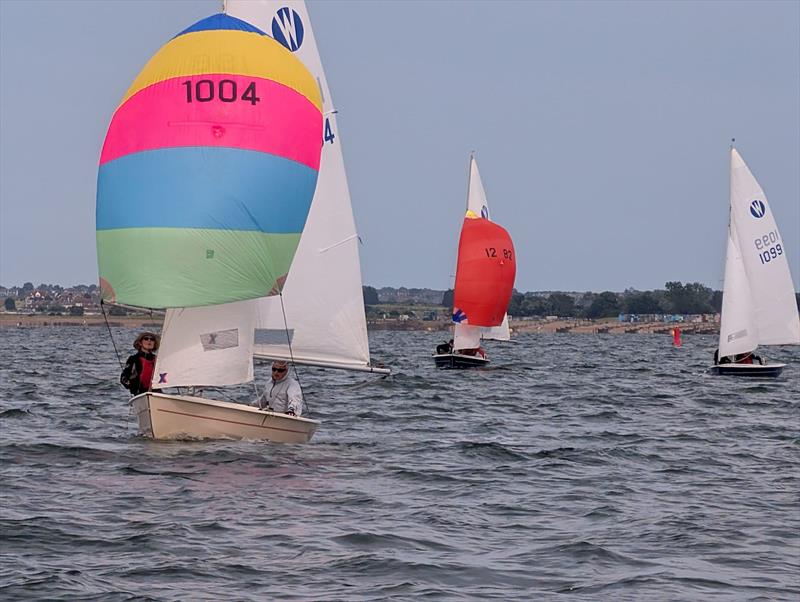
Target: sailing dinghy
{"type": "Point", "coordinates": [485, 274]}
{"type": "Point", "coordinates": [206, 179]}
{"type": "Point", "coordinates": [758, 302]}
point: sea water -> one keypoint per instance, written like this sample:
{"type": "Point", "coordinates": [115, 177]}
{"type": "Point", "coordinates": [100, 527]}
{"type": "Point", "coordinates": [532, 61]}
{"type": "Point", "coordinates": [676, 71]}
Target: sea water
{"type": "Point", "coordinates": [602, 467]}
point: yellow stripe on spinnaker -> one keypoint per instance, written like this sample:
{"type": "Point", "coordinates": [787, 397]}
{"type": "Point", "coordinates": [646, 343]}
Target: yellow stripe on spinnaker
{"type": "Point", "coordinates": [227, 51]}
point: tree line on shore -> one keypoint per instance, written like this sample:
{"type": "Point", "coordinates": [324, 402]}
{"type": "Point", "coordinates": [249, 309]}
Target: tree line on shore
{"type": "Point", "coordinates": [675, 298]}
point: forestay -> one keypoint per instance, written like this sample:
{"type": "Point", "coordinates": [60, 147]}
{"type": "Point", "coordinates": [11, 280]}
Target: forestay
{"type": "Point", "coordinates": [759, 304]}
{"type": "Point", "coordinates": [322, 296]}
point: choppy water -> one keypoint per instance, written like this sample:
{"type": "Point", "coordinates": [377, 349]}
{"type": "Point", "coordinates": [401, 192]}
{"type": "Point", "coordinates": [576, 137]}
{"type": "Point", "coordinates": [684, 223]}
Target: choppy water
{"type": "Point", "coordinates": [603, 467]}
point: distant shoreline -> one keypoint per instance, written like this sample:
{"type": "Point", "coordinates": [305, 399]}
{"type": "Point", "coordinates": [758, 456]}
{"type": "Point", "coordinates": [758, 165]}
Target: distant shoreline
{"type": "Point", "coordinates": [559, 326]}
{"type": "Point", "coordinates": [565, 326]}
{"type": "Point", "coordinates": [9, 320]}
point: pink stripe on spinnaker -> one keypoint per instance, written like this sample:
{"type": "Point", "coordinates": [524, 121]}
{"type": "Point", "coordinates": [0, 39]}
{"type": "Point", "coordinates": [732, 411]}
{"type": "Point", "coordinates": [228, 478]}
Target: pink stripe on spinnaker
{"type": "Point", "coordinates": [282, 122]}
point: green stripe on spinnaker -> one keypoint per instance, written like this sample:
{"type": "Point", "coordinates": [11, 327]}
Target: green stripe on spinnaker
{"type": "Point", "coordinates": [182, 267]}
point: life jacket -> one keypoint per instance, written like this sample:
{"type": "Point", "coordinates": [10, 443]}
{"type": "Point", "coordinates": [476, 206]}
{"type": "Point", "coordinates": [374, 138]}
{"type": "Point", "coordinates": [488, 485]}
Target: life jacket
{"type": "Point", "coordinates": [148, 367]}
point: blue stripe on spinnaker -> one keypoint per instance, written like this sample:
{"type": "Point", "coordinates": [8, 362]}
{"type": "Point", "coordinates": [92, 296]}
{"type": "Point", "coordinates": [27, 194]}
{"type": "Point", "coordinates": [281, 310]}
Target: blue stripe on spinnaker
{"type": "Point", "coordinates": [221, 21]}
{"type": "Point", "coordinates": [204, 187]}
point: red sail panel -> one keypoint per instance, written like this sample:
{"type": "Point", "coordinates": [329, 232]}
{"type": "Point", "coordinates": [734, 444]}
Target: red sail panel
{"type": "Point", "coordinates": [485, 273]}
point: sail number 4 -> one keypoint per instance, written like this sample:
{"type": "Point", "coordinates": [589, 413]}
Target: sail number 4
{"type": "Point", "coordinates": [206, 90]}
{"type": "Point", "coordinates": [329, 135]}
{"type": "Point", "coordinates": [492, 252]}
{"type": "Point", "coordinates": [768, 246]}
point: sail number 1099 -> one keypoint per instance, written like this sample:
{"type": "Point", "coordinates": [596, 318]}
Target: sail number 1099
{"type": "Point", "coordinates": [492, 252]}
{"type": "Point", "coordinates": [768, 246]}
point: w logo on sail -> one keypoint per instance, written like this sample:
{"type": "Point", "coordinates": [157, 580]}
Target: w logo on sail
{"type": "Point", "coordinates": [287, 28]}
{"type": "Point", "coordinates": [757, 208]}
{"type": "Point", "coordinates": [459, 316]}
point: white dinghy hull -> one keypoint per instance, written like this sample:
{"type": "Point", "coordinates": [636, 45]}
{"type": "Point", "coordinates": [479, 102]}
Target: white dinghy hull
{"type": "Point", "coordinates": [178, 417]}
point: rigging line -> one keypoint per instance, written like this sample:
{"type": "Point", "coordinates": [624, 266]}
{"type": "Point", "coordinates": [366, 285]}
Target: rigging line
{"type": "Point", "coordinates": [291, 353]}
{"type": "Point", "coordinates": [110, 335]}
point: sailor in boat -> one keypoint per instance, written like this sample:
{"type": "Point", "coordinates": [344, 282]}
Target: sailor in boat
{"type": "Point", "coordinates": [741, 358]}
{"type": "Point", "coordinates": [477, 351]}
{"type": "Point", "coordinates": [445, 348]}
{"type": "Point", "coordinates": [283, 392]}
{"type": "Point", "coordinates": [138, 372]}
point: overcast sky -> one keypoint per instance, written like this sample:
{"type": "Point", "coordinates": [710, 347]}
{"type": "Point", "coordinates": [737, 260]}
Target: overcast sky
{"type": "Point", "coordinates": [601, 129]}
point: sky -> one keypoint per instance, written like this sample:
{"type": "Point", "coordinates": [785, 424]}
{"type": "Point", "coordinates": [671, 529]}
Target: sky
{"type": "Point", "coordinates": [601, 129]}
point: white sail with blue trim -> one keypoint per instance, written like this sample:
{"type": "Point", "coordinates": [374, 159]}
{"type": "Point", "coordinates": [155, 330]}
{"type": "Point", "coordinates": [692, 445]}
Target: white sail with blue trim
{"type": "Point", "coordinates": [759, 306]}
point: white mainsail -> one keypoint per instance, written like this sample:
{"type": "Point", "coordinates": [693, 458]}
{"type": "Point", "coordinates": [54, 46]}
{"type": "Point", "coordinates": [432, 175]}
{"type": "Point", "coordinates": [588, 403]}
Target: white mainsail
{"type": "Point", "coordinates": [466, 336]}
{"type": "Point", "coordinates": [322, 296]}
{"type": "Point", "coordinates": [758, 304]}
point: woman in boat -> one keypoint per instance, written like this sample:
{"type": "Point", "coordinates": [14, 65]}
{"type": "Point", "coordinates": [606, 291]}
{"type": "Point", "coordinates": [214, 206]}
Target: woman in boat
{"type": "Point", "coordinates": [138, 372]}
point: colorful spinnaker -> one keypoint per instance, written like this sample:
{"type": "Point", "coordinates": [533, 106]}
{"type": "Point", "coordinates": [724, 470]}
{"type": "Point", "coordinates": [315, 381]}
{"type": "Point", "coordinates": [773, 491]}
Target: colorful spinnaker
{"type": "Point", "coordinates": [485, 273]}
{"type": "Point", "coordinates": [208, 170]}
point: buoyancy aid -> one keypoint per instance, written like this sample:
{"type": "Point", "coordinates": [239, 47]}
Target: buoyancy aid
{"type": "Point", "coordinates": [148, 365]}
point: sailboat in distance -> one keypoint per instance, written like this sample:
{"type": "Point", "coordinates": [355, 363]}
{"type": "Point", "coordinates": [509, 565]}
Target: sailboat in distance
{"type": "Point", "coordinates": [758, 299]}
{"type": "Point", "coordinates": [322, 301]}
{"type": "Point", "coordinates": [206, 179]}
{"type": "Point", "coordinates": [485, 273]}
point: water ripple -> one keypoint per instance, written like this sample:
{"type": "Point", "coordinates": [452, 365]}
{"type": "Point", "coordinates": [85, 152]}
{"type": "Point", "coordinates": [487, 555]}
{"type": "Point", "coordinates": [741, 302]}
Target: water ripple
{"type": "Point", "coordinates": [596, 467]}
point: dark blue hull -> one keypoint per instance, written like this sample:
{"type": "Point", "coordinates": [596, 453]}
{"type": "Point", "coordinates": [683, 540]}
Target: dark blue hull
{"type": "Point", "coordinates": [749, 370]}
{"type": "Point", "coordinates": [456, 360]}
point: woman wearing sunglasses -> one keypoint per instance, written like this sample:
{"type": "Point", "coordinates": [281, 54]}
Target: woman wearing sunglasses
{"type": "Point", "coordinates": [283, 393]}
{"type": "Point", "coordinates": [138, 372]}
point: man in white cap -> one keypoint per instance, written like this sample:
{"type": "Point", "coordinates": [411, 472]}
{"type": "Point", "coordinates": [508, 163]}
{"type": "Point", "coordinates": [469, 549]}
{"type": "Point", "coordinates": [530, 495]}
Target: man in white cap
{"type": "Point", "coordinates": [283, 394]}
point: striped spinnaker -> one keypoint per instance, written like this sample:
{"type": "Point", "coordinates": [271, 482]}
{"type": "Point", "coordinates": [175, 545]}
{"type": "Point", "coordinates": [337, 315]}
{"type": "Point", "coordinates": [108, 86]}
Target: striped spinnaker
{"type": "Point", "coordinates": [208, 170]}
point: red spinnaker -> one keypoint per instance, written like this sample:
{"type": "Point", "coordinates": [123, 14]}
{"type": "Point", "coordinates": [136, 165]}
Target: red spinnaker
{"type": "Point", "coordinates": [485, 273]}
